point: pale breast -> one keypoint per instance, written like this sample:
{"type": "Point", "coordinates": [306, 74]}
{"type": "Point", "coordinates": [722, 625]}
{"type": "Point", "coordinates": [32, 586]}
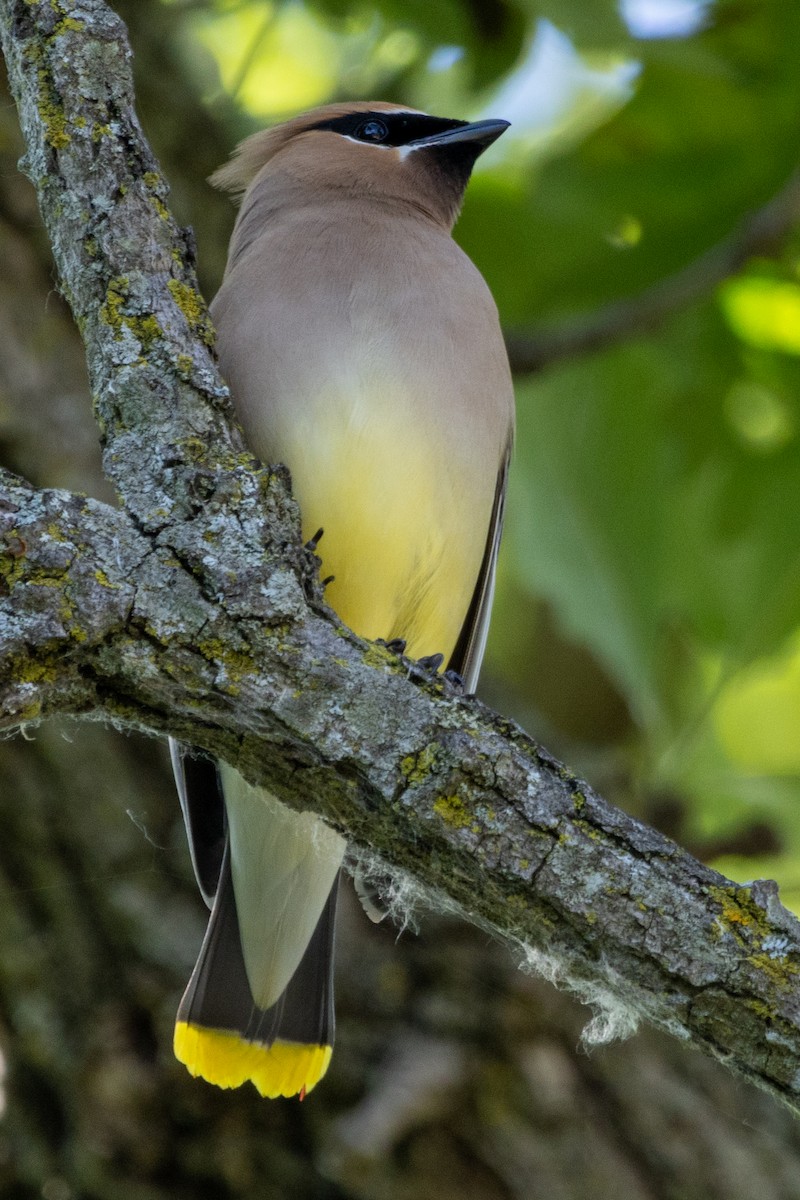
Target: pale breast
{"type": "Point", "coordinates": [377, 373]}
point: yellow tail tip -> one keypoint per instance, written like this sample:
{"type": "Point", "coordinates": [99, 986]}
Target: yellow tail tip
{"type": "Point", "coordinates": [228, 1060]}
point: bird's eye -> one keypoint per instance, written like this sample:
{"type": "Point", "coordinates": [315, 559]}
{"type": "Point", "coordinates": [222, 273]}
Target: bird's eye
{"type": "Point", "coordinates": [372, 131]}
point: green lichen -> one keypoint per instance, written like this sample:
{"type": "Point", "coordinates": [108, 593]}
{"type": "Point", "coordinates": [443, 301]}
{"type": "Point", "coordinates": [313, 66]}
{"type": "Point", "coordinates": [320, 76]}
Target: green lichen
{"type": "Point", "coordinates": [194, 448]}
{"type": "Point", "coordinates": [111, 310]}
{"type": "Point", "coordinates": [193, 307]}
{"type": "Point", "coordinates": [742, 918]}
{"type": "Point", "coordinates": [152, 182]}
{"type": "Point", "coordinates": [739, 912]}
{"type": "Point", "coordinates": [145, 328]}
{"type": "Point", "coordinates": [104, 581]}
{"type": "Point", "coordinates": [12, 559]}
{"type": "Point", "coordinates": [761, 1009]}
{"type": "Point", "coordinates": [780, 970]}
{"type": "Point", "coordinates": [53, 116]}
{"type": "Point", "coordinates": [453, 812]}
{"type": "Point", "coordinates": [68, 23]}
{"type": "Point", "coordinates": [237, 664]}
{"type": "Point", "coordinates": [379, 656]}
{"type": "Point", "coordinates": [29, 670]}
{"type": "Point", "coordinates": [588, 830]}
{"type": "Point", "coordinates": [417, 767]}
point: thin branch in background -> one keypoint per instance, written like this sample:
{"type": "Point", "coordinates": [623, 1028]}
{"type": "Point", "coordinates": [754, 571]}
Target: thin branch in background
{"type": "Point", "coordinates": [760, 233]}
{"type": "Point", "coordinates": [249, 56]}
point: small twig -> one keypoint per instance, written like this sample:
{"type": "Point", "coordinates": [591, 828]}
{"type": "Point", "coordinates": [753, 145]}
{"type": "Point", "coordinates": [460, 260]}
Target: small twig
{"type": "Point", "coordinates": [759, 233]}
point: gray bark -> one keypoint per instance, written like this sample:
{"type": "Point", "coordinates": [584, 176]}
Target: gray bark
{"type": "Point", "coordinates": [194, 611]}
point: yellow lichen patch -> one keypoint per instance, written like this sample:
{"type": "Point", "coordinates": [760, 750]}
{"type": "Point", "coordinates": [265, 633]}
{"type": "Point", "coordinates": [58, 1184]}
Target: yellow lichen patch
{"type": "Point", "coordinates": [747, 922]}
{"type": "Point", "coordinates": [69, 23]}
{"type": "Point", "coordinates": [12, 558]}
{"type": "Point", "coordinates": [734, 916]}
{"type": "Point", "coordinates": [417, 767]}
{"type": "Point", "coordinates": [236, 664]}
{"type": "Point", "coordinates": [104, 581]}
{"type": "Point", "coordinates": [152, 181]}
{"type": "Point", "coordinates": [760, 1008]}
{"type": "Point", "coordinates": [116, 295]}
{"type": "Point", "coordinates": [145, 328]}
{"type": "Point", "coordinates": [28, 670]}
{"type": "Point", "coordinates": [454, 812]}
{"type": "Point", "coordinates": [738, 910]}
{"type": "Point", "coordinates": [193, 307]}
{"type": "Point", "coordinates": [379, 656]}
{"type": "Point", "coordinates": [781, 971]}
{"type": "Point", "coordinates": [227, 1060]}
{"type": "Point", "coordinates": [52, 114]}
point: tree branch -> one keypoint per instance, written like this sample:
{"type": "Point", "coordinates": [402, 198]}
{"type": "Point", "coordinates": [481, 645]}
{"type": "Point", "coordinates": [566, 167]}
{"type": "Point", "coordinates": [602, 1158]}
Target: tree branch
{"type": "Point", "coordinates": [188, 613]}
{"type": "Point", "coordinates": [759, 233]}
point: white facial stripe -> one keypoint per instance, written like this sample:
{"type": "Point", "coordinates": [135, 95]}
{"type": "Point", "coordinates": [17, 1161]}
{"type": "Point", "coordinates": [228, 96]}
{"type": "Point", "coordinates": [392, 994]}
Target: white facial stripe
{"type": "Point", "coordinates": [360, 142]}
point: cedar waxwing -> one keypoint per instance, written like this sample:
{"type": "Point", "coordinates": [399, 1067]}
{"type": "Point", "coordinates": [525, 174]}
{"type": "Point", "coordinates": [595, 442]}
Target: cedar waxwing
{"type": "Point", "coordinates": [363, 350]}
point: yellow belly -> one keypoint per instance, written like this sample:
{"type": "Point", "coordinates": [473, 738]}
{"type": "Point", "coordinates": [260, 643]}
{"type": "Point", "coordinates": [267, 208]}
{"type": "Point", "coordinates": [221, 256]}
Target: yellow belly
{"type": "Point", "coordinates": [404, 533]}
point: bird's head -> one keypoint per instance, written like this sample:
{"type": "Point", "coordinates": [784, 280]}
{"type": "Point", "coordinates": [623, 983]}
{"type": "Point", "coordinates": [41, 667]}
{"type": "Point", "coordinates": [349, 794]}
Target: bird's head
{"type": "Point", "coordinates": [386, 152]}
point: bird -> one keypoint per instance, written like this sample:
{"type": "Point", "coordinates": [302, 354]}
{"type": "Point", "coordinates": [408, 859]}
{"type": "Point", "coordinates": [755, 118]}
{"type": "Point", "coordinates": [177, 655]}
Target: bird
{"type": "Point", "coordinates": [363, 350]}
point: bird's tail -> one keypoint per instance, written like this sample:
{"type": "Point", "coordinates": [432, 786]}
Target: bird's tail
{"type": "Point", "coordinates": [222, 1035]}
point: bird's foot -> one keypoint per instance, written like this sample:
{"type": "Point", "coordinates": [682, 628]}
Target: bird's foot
{"type": "Point", "coordinates": [394, 645]}
{"type": "Point", "coordinates": [430, 663]}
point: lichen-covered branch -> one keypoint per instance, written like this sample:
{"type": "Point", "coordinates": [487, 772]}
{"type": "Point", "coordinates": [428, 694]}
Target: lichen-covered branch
{"type": "Point", "coordinates": [193, 611]}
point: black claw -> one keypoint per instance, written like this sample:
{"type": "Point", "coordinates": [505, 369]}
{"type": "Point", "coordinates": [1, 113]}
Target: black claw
{"type": "Point", "coordinates": [313, 542]}
{"type": "Point", "coordinates": [431, 662]}
{"type": "Point", "coordinates": [454, 679]}
{"type": "Point", "coordinates": [396, 646]}
{"type": "Point", "coordinates": [328, 579]}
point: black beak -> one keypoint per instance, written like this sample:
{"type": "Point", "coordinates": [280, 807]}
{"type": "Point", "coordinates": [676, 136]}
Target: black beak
{"type": "Point", "coordinates": [479, 134]}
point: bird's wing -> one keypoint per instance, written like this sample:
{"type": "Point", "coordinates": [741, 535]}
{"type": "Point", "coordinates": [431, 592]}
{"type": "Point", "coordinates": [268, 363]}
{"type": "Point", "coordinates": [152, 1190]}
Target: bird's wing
{"type": "Point", "coordinates": [203, 808]}
{"type": "Point", "coordinates": [468, 653]}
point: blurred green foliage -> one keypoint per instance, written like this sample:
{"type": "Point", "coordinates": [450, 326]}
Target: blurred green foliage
{"type": "Point", "coordinates": [648, 610]}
